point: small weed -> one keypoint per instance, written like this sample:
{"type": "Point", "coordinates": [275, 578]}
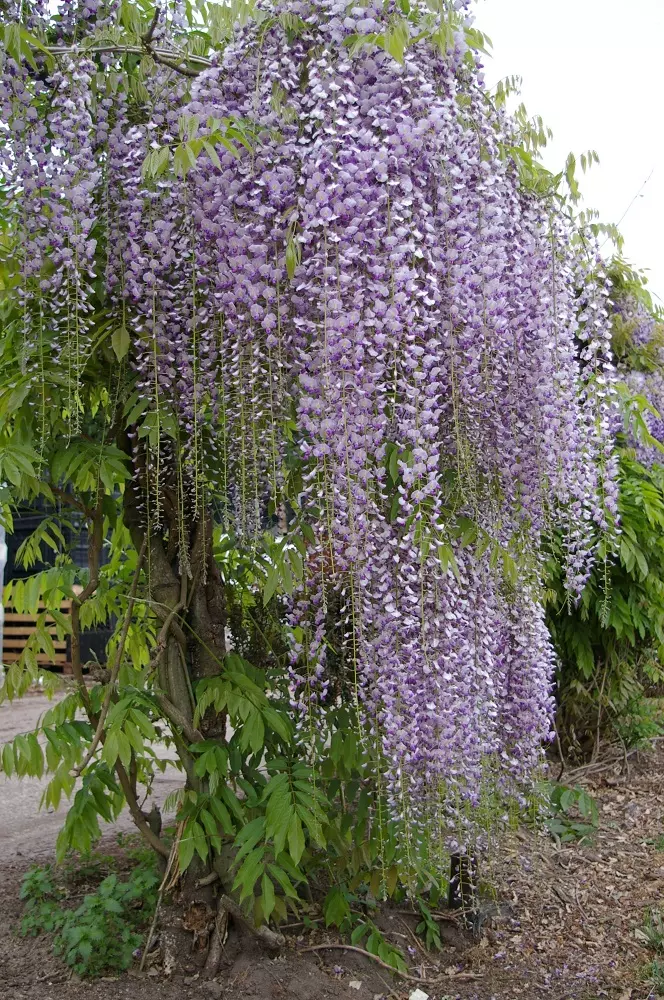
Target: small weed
{"type": "Point", "coordinates": [653, 931]}
{"type": "Point", "coordinates": [363, 931]}
{"type": "Point", "coordinates": [100, 934]}
{"type": "Point", "coordinates": [428, 928]}
{"type": "Point", "coordinates": [653, 974]}
{"type": "Point", "coordinates": [43, 901]}
{"type": "Point", "coordinates": [378, 945]}
{"type": "Point", "coordinates": [88, 868]}
{"type": "Point", "coordinates": [641, 721]}
{"type": "Point", "coordinates": [573, 814]}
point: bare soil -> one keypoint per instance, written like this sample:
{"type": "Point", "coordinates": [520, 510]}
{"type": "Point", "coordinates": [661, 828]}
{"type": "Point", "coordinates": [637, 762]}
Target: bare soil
{"type": "Point", "coordinates": [573, 932]}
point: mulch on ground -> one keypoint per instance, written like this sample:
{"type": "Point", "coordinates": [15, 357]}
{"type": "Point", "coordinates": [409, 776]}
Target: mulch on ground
{"type": "Point", "coordinates": [572, 929]}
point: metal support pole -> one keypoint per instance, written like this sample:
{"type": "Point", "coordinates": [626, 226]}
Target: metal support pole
{"type": "Point", "coordinates": [3, 563]}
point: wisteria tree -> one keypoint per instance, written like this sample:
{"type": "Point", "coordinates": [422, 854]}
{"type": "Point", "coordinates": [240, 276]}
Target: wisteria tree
{"type": "Point", "coordinates": [294, 320]}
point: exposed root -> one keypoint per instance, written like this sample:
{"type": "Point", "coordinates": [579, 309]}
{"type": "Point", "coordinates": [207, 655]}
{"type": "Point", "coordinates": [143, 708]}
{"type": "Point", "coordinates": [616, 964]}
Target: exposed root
{"type": "Point", "coordinates": [460, 976]}
{"type": "Point", "coordinates": [217, 942]}
{"type": "Point", "coordinates": [272, 940]}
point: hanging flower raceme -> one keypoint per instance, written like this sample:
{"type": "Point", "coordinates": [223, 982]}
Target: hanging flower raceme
{"type": "Point", "coordinates": [639, 335]}
{"type": "Point", "coordinates": [367, 292]}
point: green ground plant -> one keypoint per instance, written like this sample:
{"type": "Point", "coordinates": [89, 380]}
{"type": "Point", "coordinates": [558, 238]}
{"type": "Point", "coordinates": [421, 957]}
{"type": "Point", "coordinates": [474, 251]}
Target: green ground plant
{"type": "Point", "coordinates": [101, 933]}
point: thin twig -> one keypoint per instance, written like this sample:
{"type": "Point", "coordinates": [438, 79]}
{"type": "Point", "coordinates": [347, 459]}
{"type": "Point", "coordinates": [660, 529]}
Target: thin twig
{"type": "Point", "coordinates": [160, 896]}
{"type": "Point", "coordinates": [449, 917]}
{"type": "Point", "coordinates": [367, 954]}
{"type": "Point", "coordinates": [563, 762]}
{"type": "Point", "coordinates": [183, 70]}
{"type": "Point", "coordinates": [155, 53]}
{"type": "Point", "coordinates": [414, 938]}
{"type": "Point", "coordinates": [149, 34]}
{"type": "Point", "coordinates": [625, 757]}
{"type": "Point", "coordinates": [160, 644]}
{"type": "Point", "coordinates": [116, 666]}
{"type": "Point", "coordinates": [599, 714]}
{"type": "Point", "coordinates": [70, 500]}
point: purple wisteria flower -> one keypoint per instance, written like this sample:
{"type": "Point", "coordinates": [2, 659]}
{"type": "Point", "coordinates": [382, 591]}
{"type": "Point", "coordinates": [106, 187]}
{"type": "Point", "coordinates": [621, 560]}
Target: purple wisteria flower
{"type": "Point", "coordinates": [370, 292]}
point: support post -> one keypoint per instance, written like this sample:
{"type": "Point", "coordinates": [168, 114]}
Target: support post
{"type": "Point", "coordinates": [463, 893]}
{"type": "Point", "coordinates": [3, 563]}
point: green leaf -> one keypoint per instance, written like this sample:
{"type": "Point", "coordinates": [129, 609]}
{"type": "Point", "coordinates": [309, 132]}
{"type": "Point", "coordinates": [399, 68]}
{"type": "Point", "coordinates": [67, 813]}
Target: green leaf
{"type": "Point", "coordinates": [278, 723]}
{"type": "Point", "coordinates": [336, 907]}
{"type": "Point", "coordinates": [222, 815]}
{"type": "Point", "coordinates": [121, 342]}
{"type": "Point", "coordinates": [249, 872]}
{"type": "Point", "coordinates": [295, 838]}
{"type": "Point", "coordinates": [186, 850]}
{"type": "Point", "coordinates": [8, 759]}
{"type": "Point", "coordinates": [267, 891]}
{"type": "Point", "coordinates": [283, 879]}
{"type": "Point", "coordinates": [111, 749]}
{"type": "Point", "coordinates": [212, 153]}
{"type": "Point", "coordinates": [359, 932]}
{"type": "Point", "coordinates": [124, 750]}
{"type": "Point", "coordinates": [271, 585]}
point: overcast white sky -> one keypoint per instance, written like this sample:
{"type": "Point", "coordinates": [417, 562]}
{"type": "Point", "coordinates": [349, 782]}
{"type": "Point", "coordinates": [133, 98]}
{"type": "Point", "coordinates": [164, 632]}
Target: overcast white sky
{"type": "Point", "coordinates": [594, 71]}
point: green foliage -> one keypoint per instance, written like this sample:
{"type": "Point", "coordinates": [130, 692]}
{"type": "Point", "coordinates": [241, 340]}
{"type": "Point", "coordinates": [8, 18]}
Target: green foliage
{"type": "Point", "coordinates": [653, 973]}
{"type": "Point", "coordinates": [43, 897]}
{"type": "Point", "coordinates": [573, 813]}
{"type": "Point", "coordinates": [363, 931]}
{"type": "Point", "coordinates": [441, 29]}
{"type": "Point", "coordinates": [653, 931]}
{"type": "Point", "coordinates": [101, 934]}
{"type": "Point", "coordinates": [367, 935]}
{"type": "Point", "coordinates": [181, 156]}
{"type": "Point", "coordinates": [428, 927]}
{"type": "Point", "coordinates": [611, 645]}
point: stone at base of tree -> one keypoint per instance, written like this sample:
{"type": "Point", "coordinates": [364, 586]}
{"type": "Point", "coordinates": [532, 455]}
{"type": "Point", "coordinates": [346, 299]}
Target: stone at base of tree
{"type": "Point", "coordinates": [213, 989]}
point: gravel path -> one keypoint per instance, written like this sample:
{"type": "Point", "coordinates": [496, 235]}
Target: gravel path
{"type": "Point", "coordinates": [25, 830]}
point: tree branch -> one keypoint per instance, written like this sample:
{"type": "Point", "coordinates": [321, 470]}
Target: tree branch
{"type": "Point", "coordinates": [175, 716]}
{"type": "Point", "coordinates": [367, 954]}
{"type": "Point", "coordinates": [149, 34]}
{"type": "Point", "coordinates": [70, 500]}
{"type": "Point", "coordinates": [183, 70]}
{"type": "Point", "coordinates": [168, 57]}
{"type": "Point", "coordinates": [137, 815]}
{"type": "Point", "coordinates": [95, 543]}
{"type": "Point", "coordinates": [157, 55]}
{"type": "Point", "coordinates": [160, 644]}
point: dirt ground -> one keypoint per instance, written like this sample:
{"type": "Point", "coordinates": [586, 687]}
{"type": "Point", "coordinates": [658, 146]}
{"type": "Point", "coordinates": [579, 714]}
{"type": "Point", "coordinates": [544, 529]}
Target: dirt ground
{"type": "Point", "coordinates": [573, 930]}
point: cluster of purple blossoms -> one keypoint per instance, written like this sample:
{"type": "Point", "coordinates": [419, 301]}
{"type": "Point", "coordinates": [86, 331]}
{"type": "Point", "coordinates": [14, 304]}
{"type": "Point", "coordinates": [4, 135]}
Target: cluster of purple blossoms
{"type": "Point", "coordinates": [368, 288]}
{"type": "Point", "coordinates": [642, 366]}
